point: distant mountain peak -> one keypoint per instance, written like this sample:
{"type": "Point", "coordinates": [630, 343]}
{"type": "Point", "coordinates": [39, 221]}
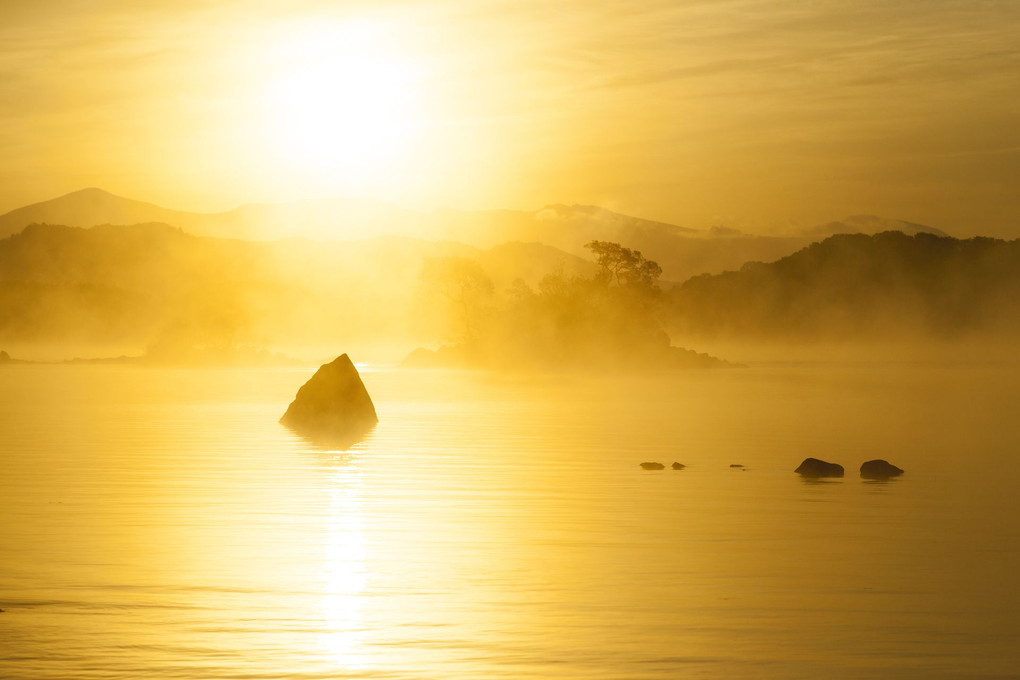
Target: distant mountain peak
{"type": "Point", "coordinates": [89, 207]}
{"type": "Point", "coordinates": [93, 195]}
{"type": "Point", "coordinates": [91, 191]}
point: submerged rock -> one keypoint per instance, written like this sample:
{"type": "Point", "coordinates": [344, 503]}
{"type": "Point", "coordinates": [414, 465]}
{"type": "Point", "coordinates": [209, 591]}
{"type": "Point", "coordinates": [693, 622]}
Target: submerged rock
{"type": "Point", "coordinates": [879, 469]}
{"type": "Point", "coordinates": [653, 466]}
{"type": "Point", "coordinates": [813, 467]}
{"type": "Point", "coordinates": [333, 405]}
{"type": "Point", "coordinates": [678, 466]}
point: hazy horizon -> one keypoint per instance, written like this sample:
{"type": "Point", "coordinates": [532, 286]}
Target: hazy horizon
{"type": "Point", "coordinates": [379, 211]}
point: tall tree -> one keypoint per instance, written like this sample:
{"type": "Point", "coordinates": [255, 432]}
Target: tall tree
{"type": "Point", "coordinates": [623, 266]}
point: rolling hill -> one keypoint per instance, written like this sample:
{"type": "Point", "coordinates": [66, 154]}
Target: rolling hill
{"type": "Point", "coordinates": [858, 286]}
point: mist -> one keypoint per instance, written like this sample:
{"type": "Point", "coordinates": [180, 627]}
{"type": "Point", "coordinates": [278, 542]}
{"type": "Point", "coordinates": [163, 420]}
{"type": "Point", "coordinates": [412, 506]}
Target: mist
{"type": "Point", "coordinates": [157, 293]}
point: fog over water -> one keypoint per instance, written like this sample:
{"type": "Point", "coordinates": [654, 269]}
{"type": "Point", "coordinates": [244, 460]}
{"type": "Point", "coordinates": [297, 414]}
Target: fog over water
{"type": "Point", "coordinates": [155, 291]}
{"type": "Point", "coordinates": [161, 523]}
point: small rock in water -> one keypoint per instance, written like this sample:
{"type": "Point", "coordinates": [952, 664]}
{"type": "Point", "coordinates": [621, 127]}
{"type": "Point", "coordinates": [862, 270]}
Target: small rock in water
{"type": "Point", "coordinates": [678, 466]}
{"type": "Point", "coordinates": [879, 469]}
{"type": "Point", "coordinates": [736, 465]}
{"type": "Point", "coordinates": [653, 466]}
{"type": "Point", "coordinates": [813, 467]}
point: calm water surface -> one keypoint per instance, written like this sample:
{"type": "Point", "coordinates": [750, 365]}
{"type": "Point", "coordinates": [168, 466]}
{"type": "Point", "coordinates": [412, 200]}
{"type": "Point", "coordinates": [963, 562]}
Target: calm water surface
{"type": "Point", "coordinates": [161, 524]}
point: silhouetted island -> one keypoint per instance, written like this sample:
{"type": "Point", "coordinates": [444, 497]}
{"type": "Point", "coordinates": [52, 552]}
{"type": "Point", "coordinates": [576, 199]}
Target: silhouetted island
{"type": "Point", "coordinates": [678, 466]}
{"type": "Point", "coordinates": [608, 320]}
{"type": "Point", "coordinates": [879, 469]}
{"type": "Point", "coordinates": [813, 467]}
{"type": "Point", "coordinates": [653, 466]}
{"type": "Point", "coordinates": [333, 406]}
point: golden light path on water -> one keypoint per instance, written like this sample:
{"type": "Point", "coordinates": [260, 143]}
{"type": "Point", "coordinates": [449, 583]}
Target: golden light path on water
{"type": "Point", "coordinates": [344, 574]}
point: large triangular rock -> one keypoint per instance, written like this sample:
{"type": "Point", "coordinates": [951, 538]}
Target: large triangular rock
{"type": "Point", "coordinates": [333, 405]}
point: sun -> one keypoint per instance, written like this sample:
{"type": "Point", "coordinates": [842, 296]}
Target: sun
{"type": "Point", "coordinates": [342, 102]}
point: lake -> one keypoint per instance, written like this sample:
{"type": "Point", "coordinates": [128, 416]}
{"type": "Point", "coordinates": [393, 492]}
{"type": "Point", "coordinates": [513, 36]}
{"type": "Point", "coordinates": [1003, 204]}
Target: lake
{"type": "Point", "coordinates": [160, 523]}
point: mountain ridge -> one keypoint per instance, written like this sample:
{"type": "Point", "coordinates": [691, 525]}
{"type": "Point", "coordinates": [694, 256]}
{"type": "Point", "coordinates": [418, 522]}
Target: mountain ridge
{"type": "Point", "coordinates": [682, 252]}
{"type": "Point", "coordinates": [860, 285]}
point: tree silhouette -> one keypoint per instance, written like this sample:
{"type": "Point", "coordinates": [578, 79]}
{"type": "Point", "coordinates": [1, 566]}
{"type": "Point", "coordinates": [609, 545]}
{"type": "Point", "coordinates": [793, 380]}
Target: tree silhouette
{"type": "Point", "coordinates": [623, 266]}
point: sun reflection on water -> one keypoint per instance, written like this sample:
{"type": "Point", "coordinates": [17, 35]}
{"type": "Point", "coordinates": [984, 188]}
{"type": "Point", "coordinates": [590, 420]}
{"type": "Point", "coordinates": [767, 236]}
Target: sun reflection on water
{"type": "Point", "coordinates": [344, 575]}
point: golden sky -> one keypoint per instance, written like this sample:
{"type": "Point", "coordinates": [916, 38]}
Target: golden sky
{"type": "Point", "coordinates": [744, 112]}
